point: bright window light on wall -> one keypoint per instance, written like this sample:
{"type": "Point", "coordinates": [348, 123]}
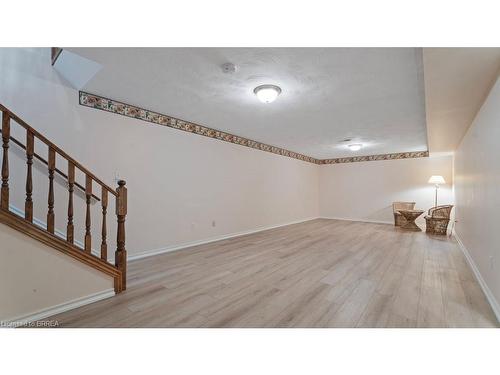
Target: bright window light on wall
{"type": "Point", "coordinates": [267, 93]}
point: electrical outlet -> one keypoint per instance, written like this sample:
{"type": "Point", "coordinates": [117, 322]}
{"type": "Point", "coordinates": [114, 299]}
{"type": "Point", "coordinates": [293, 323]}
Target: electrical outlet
{"type": "Point", "coordinates": [213, 223]}
{"type": "Point", "coordinates": [492, 263]}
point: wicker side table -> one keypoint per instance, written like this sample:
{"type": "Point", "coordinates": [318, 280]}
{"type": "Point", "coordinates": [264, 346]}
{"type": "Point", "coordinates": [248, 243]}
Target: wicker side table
{"type": "Point", "coordinates": [411, 216]}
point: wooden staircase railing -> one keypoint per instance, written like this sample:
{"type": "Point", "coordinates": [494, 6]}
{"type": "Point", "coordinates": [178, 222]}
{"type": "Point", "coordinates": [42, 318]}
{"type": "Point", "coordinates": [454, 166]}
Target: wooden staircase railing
{"type": "Point", "coordinates": [47, 236]}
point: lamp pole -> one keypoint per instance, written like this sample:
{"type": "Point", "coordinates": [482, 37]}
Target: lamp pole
{"type": "Point", "coordinates": [436, 180]}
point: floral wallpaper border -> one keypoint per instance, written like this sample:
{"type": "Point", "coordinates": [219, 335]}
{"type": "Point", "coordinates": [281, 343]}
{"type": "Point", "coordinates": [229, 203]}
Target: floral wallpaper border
{"type": "Point", "coordinates": [113, 106]}
{"type": "Point", "coordinates": [399, 155]}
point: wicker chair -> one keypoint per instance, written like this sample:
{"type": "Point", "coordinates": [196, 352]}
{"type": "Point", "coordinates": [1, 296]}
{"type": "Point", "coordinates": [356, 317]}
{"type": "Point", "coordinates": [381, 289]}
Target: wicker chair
{"type": "Point", "coordinates": [438, 219]}
{"type": "Point", "coordinates": [396, 206]}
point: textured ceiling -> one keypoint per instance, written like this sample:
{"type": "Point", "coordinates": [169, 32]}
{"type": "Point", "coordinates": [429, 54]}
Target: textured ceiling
{"type": "Point", "coordinates": [373, 95]}
{"type": "Point", "coordinates": [457, 81]}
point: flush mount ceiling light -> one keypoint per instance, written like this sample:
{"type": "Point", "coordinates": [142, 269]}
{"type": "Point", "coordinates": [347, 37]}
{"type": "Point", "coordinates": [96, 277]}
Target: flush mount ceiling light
{"type": "Point", "coordinates": [228, 68]}
{"type": "Point", "coordinates": [267, 93]}
{"type": "Point", "coordinates": [355, 147]}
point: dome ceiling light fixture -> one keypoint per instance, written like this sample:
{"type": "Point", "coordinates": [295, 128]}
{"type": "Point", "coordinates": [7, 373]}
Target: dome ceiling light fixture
{"type": "Point", "coordinates": [355, 146]}
{"type": "Point", "coordinates": [267, 93]}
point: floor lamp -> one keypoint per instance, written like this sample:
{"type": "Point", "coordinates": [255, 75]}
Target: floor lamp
{"type": "Point", "coordinates": [436, 180]}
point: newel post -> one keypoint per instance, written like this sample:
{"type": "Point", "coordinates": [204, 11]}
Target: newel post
{"type": "Point", "coordinates": [121, 212]}
{"type": "Point", "coordinates": [4, 200]}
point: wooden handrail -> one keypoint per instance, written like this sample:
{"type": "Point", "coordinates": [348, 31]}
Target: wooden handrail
{"type": "Point", "coordinates": [47, 235]}
{"type": "Point", "coordinates": [57, 170]}
{"type": "Point", "coordinates": [51, 145]}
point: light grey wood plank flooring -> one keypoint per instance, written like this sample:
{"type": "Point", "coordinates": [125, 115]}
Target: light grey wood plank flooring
{"type": "Point", "coordinates": [321, 273]}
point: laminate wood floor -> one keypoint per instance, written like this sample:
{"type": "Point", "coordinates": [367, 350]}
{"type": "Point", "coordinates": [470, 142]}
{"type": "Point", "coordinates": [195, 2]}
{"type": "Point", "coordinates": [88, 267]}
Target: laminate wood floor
{"type": "Point", "coordinates": [321, 273]}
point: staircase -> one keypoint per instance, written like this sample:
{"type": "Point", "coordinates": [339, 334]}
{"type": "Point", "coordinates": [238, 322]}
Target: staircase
{"type": "Point", "coordinates": [48, 235]}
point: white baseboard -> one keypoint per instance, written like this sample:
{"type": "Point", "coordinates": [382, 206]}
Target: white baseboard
{"type": "Point", "coordinates": [489, 295]}
{"type": "Point", "coordinates": [57, 309]}
{"type": "Point", "coordinates": [149, 253]}
{"type": "Point", "coordinates": [358, 220]}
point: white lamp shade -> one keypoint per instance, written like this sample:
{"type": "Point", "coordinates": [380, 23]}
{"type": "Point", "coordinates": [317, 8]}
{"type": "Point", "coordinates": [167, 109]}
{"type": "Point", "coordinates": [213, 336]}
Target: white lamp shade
{"type": "Point", "coordinates": [437, 180]}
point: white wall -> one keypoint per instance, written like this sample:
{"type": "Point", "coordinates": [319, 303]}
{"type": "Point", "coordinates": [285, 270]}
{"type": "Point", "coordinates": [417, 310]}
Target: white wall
{"type": "Point", "coordinates": [28, 281]}
{"type": "Point", "coordinates": [185, 188]}
{"type": "Point", "coordinates": [365, 190]}
{"type": "Point", "coordinates": [477, 186]}
{"type": "Point", "coordinates": [179, 183]}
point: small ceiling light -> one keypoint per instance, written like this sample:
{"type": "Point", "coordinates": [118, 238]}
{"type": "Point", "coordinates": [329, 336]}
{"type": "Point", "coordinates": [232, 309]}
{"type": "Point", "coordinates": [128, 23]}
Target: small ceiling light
{"type": "Point", "coordinates": [355, 147]}
{"type": "Point", "coordinates": [228, 68]}
{"type": "Point", "coordinates": [267, 93]}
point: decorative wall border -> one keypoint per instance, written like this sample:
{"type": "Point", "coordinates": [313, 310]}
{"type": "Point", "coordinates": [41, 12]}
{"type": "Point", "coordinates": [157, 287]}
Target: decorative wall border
{"type": "Point", "coordinates": [113, 106]}
{"type": "Point", "coordinates": [395, 156]}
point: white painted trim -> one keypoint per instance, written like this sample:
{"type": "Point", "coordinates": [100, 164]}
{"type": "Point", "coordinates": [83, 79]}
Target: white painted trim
{"type": "Point", "coordinates": [149, 253]}
{"type": "Point", "coordinates": [357, 220]}
{"type": "Point", "coordinates": [487, 291]}
{"type": "Point", "coordinates": [63, 307]}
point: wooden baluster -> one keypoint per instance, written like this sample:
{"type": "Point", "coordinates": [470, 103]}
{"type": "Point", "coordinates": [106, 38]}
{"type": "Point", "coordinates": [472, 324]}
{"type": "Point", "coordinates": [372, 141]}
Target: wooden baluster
{"type": "Point", "coordinates": [30, 150]}
{"type": "Point", "coordinates": [88, 195]}
{"type": "Point", "coordinates": [121, 212]}
{"type": "Point", "coordinates": [70, 229]}
{"type": "Point", "coordinates": [52, 167]}
{"type": "Point", "coordinates": [104, 203]}
{"type": "Point", "coordinates": [4, 199]}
